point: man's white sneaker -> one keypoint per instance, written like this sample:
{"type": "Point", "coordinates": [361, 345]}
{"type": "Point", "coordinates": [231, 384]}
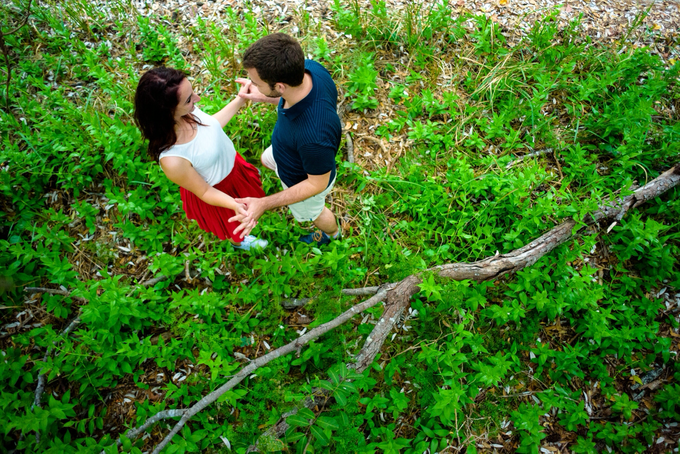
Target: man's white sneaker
{"type": "Point", "coordinates": [251, 242]}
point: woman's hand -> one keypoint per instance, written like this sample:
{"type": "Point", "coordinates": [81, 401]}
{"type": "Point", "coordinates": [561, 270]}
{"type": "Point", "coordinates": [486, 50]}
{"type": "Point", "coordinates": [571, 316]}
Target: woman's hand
{"type": "Point", "coordinates": [252, 93]}
{"type": "Point", "coordinates": [241, 215]}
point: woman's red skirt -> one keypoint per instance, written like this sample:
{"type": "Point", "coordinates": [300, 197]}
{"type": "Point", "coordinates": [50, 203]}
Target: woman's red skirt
{"type": "Point", "coordinates": [243, 181]}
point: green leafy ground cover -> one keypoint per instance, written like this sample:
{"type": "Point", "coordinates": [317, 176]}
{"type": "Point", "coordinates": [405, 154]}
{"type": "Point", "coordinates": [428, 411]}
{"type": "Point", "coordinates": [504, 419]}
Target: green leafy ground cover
{"type": "Point", "coordinates": [548, 358]}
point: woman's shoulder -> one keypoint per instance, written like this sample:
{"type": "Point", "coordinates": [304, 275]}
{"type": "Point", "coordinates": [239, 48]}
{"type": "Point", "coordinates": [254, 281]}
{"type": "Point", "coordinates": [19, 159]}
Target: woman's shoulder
{"type": "Point", "coordinates": [202, 116]}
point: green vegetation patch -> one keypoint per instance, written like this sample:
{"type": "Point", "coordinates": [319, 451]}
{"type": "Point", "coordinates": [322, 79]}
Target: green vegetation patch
{"type": "Point", "coordinates": [466, 144]}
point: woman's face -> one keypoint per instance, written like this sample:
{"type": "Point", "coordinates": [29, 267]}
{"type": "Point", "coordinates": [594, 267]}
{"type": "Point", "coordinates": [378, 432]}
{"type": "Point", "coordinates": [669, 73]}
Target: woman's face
{"type": "Point", "coordinates": [187, 99]}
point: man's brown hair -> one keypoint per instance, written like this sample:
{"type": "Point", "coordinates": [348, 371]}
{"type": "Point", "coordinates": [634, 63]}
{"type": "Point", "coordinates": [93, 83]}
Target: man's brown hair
{"type": "Point", "coordinates": [277, 58]}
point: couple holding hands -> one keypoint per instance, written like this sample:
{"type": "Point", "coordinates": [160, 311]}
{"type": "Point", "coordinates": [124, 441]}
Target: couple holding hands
{"type": "Point", "coordinates": [219, 189]}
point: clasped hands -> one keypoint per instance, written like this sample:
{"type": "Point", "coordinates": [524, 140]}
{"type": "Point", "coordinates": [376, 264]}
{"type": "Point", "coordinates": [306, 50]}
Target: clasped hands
{"type": "Point", "coordinates": [248, 212]}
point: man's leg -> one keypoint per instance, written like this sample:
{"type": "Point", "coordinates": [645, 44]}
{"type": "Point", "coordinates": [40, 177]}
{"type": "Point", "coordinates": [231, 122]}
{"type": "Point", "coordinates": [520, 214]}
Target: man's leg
{"type": "Point", "coordinates": [267, 159]}
{"type": "Point", "coordinates": [326, 222]}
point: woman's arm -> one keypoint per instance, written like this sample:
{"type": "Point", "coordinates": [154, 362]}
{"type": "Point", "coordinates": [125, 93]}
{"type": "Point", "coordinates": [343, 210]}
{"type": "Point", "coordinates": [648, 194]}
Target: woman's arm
{"type": "Point", "coordinates": [228, 111]}
{"type": "Point", "coordinates": [181, 172]}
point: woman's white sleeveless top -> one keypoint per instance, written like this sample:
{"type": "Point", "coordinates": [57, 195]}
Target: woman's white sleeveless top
{"type": "Point", "coordinates": [211, 152]}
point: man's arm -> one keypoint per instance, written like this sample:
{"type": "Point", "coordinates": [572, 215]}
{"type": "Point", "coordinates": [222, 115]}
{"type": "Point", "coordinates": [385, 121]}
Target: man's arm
{"type": "Point", "coordinates": [313, 185]}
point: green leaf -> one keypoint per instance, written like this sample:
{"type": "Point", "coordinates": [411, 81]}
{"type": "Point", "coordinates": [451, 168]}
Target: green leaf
{"type": "Point", "coordinates": [306, 413]}
{"type": "Point", "coordinates": [326, 422]}
{"type": "Point", "coordinates": [294, 437]}
{"type": "Point", "coordinates": [340, 397]}
{"type": "Point", "coordinates": [127, 444]}
{"type": "Point", "coordinates": [335, 377]}
{"type": "Point", "coordinates": [297, 421]}
{"type": "Point", "coordinates": [319, 434]}
{"type": "Point", "coordinates": [325, 385]}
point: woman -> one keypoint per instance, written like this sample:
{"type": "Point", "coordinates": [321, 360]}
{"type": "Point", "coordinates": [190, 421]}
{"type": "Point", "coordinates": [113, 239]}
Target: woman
{"type": "Point", "coordinates": [195, 153]}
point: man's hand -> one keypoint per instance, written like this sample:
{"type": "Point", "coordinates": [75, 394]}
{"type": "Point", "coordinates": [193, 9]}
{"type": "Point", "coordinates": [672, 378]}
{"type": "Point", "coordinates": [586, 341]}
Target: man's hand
{"type": "Point", "coordinates": [251, 92]}
{"type": "Point", "coordinates": [254, 209]}
{"type": "Point", "coordinates": [242, 216]}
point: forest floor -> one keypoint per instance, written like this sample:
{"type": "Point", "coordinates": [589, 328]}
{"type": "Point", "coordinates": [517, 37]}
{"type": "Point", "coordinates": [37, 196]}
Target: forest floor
{"type": "Point", "coordinates": [577, 352]}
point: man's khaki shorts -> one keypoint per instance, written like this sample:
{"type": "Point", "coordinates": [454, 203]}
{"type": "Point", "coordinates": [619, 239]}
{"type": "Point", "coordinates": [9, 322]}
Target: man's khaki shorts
{"type": "Point", "coordinates": [307, 210]}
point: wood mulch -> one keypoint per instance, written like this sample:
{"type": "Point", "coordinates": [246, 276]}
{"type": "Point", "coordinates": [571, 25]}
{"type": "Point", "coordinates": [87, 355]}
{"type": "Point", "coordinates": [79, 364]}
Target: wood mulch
{"type": "Point", "coordinates": [602, 20]}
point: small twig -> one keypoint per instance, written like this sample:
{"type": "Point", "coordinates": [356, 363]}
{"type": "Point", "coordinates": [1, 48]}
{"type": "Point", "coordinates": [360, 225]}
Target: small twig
{"type": "Point", "coordinates": [154, 281]}
{"type": "Point", "coordinates": [350, 148]}
{"type": "Point", "coordinates": [395, 159]}
{"type": "Point", "coordinates": [52, 291]}
{"type": "Point", "coordinates": [187, 274]}
{"type": "Point", "coordinates": [527, 156]}
{"type": "Point", "coordinates": [559, 166]}
{"type": "Point", "coordinates": [18, 328]}
{"type": "Point", "coordinates": [374, 139]}
{"type": "Point", "coordinates": [23, 21]}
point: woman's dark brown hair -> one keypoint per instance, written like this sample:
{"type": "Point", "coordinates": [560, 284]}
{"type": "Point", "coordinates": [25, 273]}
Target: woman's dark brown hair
{"type": "Point", "coordinates": [156, 99]}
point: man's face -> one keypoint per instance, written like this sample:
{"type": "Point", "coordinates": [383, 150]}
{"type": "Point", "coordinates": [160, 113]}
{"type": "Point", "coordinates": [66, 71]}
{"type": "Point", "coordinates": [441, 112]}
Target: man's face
{"type": "Point", "coordinates": [262, 85]}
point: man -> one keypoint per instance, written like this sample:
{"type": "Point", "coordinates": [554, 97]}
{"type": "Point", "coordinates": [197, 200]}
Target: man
{"type": "Point", "coordinates": [306, 136]}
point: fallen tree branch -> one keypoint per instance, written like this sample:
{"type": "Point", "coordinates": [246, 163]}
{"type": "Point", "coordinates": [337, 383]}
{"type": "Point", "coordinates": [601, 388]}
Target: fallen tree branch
{"type": "Point", "coordinates": [361, 291]}
{"type": "Point", "coordinates": [314, 333]}
{"type": "Point", "coordinates": [398, 297]}
{"type": "Point", "coordinates": [490, 268]}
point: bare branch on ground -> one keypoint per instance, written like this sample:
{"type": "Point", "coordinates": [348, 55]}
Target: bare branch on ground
{"type": "Point", "coordinates": [259, 362]}
{"type": "Point", "coordinates": [361, 291]}
{"type": "Point", "coordinates": [40, 388]}
{"type": "Point", "coordinates": [493, 267]}
{"type": "Point", "coordinates": [398, 298]}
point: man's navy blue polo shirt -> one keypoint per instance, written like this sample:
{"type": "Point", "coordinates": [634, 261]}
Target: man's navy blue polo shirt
{"type": "Point", "coordinates": [307, 135]}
